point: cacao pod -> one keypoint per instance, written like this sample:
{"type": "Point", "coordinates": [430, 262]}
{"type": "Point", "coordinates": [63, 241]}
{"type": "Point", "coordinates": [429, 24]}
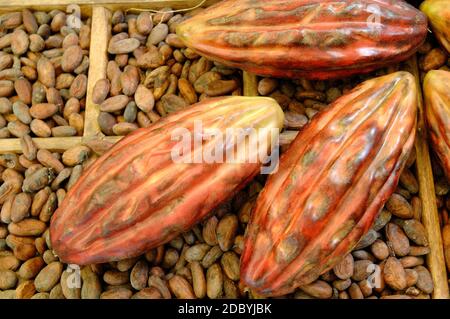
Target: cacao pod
{"type": "Point", "coordinates": [137, 196]}
{"type": "Point", "coordinates": [331, 183]}
{"type": "Point", "coordinates": [314, 39]}
{"type": "Point", "coordinates": [438, 13]}
{"type": "Point", "coordinates": [436, 88]}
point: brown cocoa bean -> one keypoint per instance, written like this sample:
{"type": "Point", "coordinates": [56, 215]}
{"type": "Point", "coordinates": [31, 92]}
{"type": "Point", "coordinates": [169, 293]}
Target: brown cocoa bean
{"type": "Point", "coordinates": [158, 34]}
{"type": "Point", "coordinates": [214, 282]}
{"type": "Point", "coordinates": [40, 128]}
{"type": "Point", "coordinates": [49, 207]}
{"type": "Point", "coordinates": [8, 279]}
{"type": "Point", "coordinates": [409, 181]}
{"type": "Point", "coordinates": [79, 86]}
{"type": "Point", "coordinates": [20, 207]}
{"type": "Point", "coordinates": [221, 87]}
{"type": "Point", "coordinates": [106, 122]}
{"type": "Point", "coordinates": [9, 263]}
{"type": "Point", "coordinates": [380, 250]}
{"type": "Point", "coordinates": [23, 90]}
{"type": "Point", "coordinates": [415, 231]}
{"type": "Point", "coordinates": [197, 252]}
{"type": "Point", "coordinates": [91, 288]}
{"type": "Point", "coordinates": [362, 269]}
{"type": "Point", "coordinates": [63, 131]}
{"type": "Point", "coordinates": [129, 80]}
{"type": "Point", "coordinates": [19, 42]}
{"type": "Point", "coordinates": [18, 129]}
{"type": "Point", "coordinates": [27, 227]}
{"type": "Point", "coordinates": [411, 277]}
{"type": "Point", "coordinates": [117, 293]}
{"type": "Point", "coordinates": [399, 206]}
{"type": "Point", "coordinates": [48, 277]}
{"type": "Point", "coordinates": [25, 290]}
{"type": "Point", "coordinates": [198, 279]}
{"type": "Point", "coordinates": [181, 287]}
{"type": "Point", "coordinates": [47, 159]}
{"type": "Point", "coordinates": [230, 265]}
{"type": "Point", "coordinates": [29, 149]}
{"type": "Point", "coordinates": [209, 231]}
{"type": "Point", "coordinates": [344, 269]}
{"type": "Point", "coordinates": [116, 278]}
{"type": "Point", "coordinates": [124, 128]}
{"type": "Point", "coordinates": [139, 275]}
{"type": "Point", "coordinates": [123, 46]}
{"type": "Point", "coordinates": [76, 155]}
{"type": "Point", "coordinates": [411, 261]}
{"type": "Point", "coordinates": [318, 289]}
{"type": "Point", "coordinates": [398, 239]}
{"type": "Point", "coordinates": [394, 274]}
{"type": "Point", "coordinates": [46, 72]}
{"type": "Point", "coordinates": [43, 110]}
{"type": "Point", "coordinates": [147, 293]}
{"type": "Point", "coordinates": [433, 60]}
{"type": "Point", "coordinates": [101, 90]}
{"type": "Point", "coordinates": [161, 285]}
{"type": "Point", "coordinates": [144, 98]}
{"type": "Point", "coordinates": [115, 103]}
{"type": "Point", "coordinates": [424, 280]}
{"type": "Point", "coordinates": [226, 231]}
{"type": "Point", "coordinates": [30, 268]}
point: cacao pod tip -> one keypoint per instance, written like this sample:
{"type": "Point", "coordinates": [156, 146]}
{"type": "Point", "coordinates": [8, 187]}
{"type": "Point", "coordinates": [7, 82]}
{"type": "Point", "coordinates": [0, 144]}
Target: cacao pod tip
{"type": "Point", "coordinates": [274, 108]}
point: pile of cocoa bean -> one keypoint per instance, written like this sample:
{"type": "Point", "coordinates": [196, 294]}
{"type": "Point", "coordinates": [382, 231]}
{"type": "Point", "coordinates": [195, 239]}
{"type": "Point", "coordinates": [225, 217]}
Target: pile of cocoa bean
{"type": "Point", "coordinates": [202, 263]}
{"type": "Point", "coordinates": [43, 74]}
{"type": "Point", "coordinates": [151, 73]}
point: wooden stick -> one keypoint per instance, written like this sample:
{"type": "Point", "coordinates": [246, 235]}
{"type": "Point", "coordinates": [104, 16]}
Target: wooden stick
{"type": "Point", "coordinates": [98, 57]}
{"type": "Point", "coordinates": [56, 144]}
{"type": "Point", "coordinates": [250, 84]}
{"type": "Point", "coordinates": [86, 5]}
{"type": "Point", "coordinates": [435, 259]}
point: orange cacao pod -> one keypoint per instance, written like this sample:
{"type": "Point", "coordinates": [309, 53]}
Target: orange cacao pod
{"type": "Point", "coordinates": [136, 197]}
{"type": "Point", "coordinates": [331, 184]}
{"type": "Point", "coordinates": [317, 39]}
{"type": "Point", "coordinates": [436, 89]}
{"type": "Point", "coordinates": [438, 13]}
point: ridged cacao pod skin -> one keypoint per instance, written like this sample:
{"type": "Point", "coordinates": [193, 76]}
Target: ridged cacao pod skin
{"type": "Point", "coordinates": [330, 185]}
{"type": "Point", "coordinates": [438, 13]}
{"type": "Point", "coordinates": [436, 88]}
{"type": "Point", "coordinates": [316, 39]}
{"type": "Point", "coordinates": [135, 197]}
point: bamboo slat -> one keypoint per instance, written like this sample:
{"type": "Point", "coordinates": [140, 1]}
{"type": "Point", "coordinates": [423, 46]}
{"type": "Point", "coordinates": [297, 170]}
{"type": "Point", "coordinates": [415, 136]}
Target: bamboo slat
{"type": "Point", "coordinates": [12, 145]}
{"type": "Point", "coordinates": [250, 84]}
{"type": "Point", "coordinates": [86, 5]}
{"type": "Point", "coordinates": [98, 57]}
{"type": "Point", "coordinates": [430, 219]}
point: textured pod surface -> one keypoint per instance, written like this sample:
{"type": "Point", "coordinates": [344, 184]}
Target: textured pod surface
{"type": "Point", "coordinates": [436, 88]}
{"type": "Point", "coordinates": [438, 13]}
{"type": "Point", "coordinates": [136, 197]}
{"type": "Point", "coordinates": [330, 186]}
{"type": "Point", "coordinates": [306, 38]}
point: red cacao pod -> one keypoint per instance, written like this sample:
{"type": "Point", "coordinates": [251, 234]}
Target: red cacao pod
{"type": "Point", "coordinates": [436, 89]}
{"type": "Point", "coordinates": [318, 39]}
{"type": "Point", "coordinates": [438, 13]}
{"type": "Point", "coordinates": [136, 197]}
{"type": "Point", "coordinates": [331, 184]}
